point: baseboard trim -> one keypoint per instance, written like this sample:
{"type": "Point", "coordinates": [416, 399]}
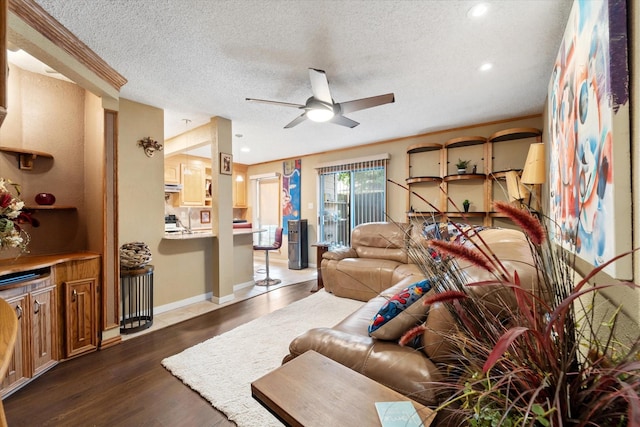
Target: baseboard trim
{"type": "Point", "coordinates": [110, 342]}
{"type": "Point", "coordinates": [240, 286]}
{"type": "Point", "coordinates": [182, 303]}
{"type": "Point", "coordinates": [223, 300]}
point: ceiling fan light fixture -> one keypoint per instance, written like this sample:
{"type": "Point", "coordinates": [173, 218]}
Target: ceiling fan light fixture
{"type": "Point", "coordinates": [320, 114]}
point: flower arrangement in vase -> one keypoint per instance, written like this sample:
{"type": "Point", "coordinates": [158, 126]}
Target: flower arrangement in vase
{"type": "Point", "coordinates": [12, 216]}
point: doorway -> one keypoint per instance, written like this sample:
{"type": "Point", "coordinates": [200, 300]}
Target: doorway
{"type": "Point", "coordinates": [265, 193]}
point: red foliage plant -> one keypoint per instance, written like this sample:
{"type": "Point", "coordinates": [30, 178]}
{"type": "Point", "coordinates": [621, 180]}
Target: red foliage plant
{"type": "Point", "coordinates": [550, 359]}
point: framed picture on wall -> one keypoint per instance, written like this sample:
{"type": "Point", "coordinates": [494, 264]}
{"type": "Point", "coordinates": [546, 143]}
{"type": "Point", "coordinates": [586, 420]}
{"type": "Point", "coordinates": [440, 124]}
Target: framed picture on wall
{"type": "Point", "coordinates": [226, 161]}
{"type": "Point", "coordinates": [205, 216]}
{"type": "Point", "coordinates": [588, 126]}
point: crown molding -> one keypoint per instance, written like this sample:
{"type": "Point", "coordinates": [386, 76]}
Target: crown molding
{"type": "Point", "coordinates": [36, 17]}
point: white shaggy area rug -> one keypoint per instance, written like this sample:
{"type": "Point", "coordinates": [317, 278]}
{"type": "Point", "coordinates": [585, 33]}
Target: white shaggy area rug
{"type": "Point", "coordinates": [222, 368]}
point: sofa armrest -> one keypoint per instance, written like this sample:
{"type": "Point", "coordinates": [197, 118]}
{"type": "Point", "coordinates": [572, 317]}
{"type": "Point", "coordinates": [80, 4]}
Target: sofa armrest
{"type": "Point", "coordinates": [403, 369]}
{"type": "Point", "coordinates": [340, 254]}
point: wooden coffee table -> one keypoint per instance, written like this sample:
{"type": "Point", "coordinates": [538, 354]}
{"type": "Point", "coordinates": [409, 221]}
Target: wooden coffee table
{"type": "Point", "coordinates": [313, 390]}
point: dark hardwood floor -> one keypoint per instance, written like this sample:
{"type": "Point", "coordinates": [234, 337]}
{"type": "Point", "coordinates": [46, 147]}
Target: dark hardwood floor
{"type": "Point", "coordinates": [126, 385]}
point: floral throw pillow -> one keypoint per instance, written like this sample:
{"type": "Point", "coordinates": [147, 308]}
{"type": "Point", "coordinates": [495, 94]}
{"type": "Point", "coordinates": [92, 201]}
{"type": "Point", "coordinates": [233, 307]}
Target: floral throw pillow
{"type": "Point", "coordinates": [400, 312]}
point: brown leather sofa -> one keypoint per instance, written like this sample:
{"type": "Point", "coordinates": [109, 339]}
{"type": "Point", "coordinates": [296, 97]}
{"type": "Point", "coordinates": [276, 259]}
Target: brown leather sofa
{"type": "Point", "coordinates": [376, 260]}
{"type": "Point", "coordinates": [405, 369]}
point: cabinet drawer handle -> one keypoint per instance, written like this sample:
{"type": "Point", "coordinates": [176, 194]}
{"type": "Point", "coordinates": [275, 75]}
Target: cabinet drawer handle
{"type": "Point", "coordinates": [36, 307]}
{"type": "Point", "coordinates": [19, 311]}
{"type": "Point", "coordinates": [74, 295]}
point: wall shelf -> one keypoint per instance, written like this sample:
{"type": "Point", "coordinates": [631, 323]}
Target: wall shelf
{"type": "Point", "coordinates": [466, 214]}
{"type": "Point", "coordinates": [464, 177]}
{"type": "Point", "coordinates": [421, 148]}
{"type": "Point", "coordinates": [422, 214]}
{"type": "Point", "coordinates": [25, 157]}
{"type": "Point", "coordinates": [417, 179]}
{"type": "Point", "coordinates": [444, 192]}
{"type": "Point", "coordinates": [498, 175]}
{"type": "Point", "coordinates": [514, 133]}
{"type": "Point", "coordinates": [50, 208]}
{"type": "Point", "coordinates": [465, 141]}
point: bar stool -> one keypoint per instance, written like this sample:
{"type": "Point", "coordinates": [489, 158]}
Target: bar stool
{"type": "Point", "coordinates": [268, 281]}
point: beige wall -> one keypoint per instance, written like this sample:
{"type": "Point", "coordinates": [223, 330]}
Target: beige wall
{"type": "Point", "coordinates": [180, 266]}
{"type": "Point", "coordinates": [46, 115]}
{"type": "Point", "coordinates": [633, 298]}
{"type": "Point", "coordinates": [397, 171]}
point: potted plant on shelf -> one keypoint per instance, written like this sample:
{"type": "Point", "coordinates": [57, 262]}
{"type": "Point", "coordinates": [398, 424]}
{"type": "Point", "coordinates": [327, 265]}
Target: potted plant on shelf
{"type": "Point", "coordinates": [462, 165]}
{"type": "Point", "coordinates": [466, 204]}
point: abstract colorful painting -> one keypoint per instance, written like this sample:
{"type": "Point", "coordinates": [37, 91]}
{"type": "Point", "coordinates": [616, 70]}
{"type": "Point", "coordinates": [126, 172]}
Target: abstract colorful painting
{"type": "Point", "coordinates": [290, 192]}
{"type": "Point", "coordinates": [588, 118]}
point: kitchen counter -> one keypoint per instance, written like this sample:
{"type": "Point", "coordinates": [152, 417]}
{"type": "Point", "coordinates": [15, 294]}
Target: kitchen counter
{"type": "Point", "coordinates": [206, 232]}
{"type": "Point", "coordinates": [196, 234]}
{"type": "Point", "coordinates": [242, 249]}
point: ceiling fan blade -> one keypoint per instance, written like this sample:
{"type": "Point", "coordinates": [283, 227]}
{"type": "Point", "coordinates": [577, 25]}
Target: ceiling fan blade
{"type": "Point", "coordinates": [320, 86]}
{"type": "Point", "coordinates": [361, 104]}
{"type": "Point", "coordinates": [283, 104]}
{"type": "Point", "coordinates": [297, 121]}
{"type": "Point", "coordinates": [344, 121]}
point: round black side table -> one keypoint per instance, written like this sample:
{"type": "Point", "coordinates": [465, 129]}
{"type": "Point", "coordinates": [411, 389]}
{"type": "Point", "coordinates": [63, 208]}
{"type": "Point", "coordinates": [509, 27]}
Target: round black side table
{"type": "Point", "coordinates": [136, 294]}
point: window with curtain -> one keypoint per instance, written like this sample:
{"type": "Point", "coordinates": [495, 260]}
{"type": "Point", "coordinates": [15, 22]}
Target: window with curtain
{"type": "Point", "coordinates": [350, 193]}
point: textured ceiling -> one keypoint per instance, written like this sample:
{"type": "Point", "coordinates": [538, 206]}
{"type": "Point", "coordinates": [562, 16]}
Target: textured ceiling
{"type": "Point", "coordinates": [200, 58]}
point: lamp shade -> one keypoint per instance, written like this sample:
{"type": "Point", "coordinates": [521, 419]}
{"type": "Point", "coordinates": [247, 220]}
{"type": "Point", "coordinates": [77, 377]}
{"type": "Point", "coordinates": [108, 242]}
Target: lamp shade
{"type": "Point", "coordinates": [534, 168]}
{"type": "Point", "coordinates": [515, 190]}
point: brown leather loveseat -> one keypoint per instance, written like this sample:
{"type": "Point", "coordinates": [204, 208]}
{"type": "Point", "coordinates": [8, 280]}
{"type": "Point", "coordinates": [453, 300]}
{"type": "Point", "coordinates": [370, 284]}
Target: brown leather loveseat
{"type": "Point", "coordinates": [406, 369]}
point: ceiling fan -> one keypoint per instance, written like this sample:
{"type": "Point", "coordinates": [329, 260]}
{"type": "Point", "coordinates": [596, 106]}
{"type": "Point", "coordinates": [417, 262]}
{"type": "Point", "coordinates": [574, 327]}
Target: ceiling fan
{"type": "Point", "coordinates": [321, 106]}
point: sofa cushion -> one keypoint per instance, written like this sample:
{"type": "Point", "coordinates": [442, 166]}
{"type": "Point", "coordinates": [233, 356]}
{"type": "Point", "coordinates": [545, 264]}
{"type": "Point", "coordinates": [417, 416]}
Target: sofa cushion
{"type": "Point", "coordinates": [400, 312]}
{"type": "Point", "coordinates": [381, 240]}
{"type": "Point", "coordinates": [359, 278]}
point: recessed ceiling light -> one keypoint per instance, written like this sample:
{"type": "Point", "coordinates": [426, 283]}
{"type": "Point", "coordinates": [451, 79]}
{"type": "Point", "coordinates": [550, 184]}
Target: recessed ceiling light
{"type": "Point", "coordinates": [245, 149]}
{"type": "Point", "coordinates": [478, 10]}
{"type": "Point", "coordinates": [486, 66]}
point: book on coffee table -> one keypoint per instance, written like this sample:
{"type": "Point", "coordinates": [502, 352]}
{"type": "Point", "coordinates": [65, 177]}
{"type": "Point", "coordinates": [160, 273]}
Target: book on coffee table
{"type": "Point", "coordinates": [398, 414]}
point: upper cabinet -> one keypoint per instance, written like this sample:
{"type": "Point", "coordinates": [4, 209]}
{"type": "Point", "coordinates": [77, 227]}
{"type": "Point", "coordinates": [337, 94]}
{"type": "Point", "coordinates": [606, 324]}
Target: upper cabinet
{"type": "Point", "coordinates": [172, 172]}
{"type": "Point", "coordinates": [239, 185]}
{"type": "Point", "coordinates": [191, 173]}
{"type": "Point", "coordinates": [193, 185]}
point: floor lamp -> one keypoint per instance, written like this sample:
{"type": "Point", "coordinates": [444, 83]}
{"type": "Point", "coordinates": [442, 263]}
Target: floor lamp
{"type": "Point", "coordinates": [534, 173]}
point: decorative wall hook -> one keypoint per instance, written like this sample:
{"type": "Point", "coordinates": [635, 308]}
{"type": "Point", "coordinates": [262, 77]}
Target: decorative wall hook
{"type": "Point", "coordinates": [149, 145]}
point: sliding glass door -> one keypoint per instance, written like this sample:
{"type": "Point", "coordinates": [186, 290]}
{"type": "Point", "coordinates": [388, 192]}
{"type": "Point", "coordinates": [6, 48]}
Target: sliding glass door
{"type": "Point", "coordinates": [350, 194]}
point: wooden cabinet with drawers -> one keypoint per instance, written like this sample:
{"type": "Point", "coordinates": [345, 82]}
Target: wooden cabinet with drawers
{"type": "Point", "coordinates": [56, 300]}
{"type": "Point", "coordinates": [34, 302]}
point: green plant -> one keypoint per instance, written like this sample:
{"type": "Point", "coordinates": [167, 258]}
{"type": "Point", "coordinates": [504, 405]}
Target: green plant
{"type": "Point", "coordinates": [462, 164]}
{"type": "Point", "coordinates": [465, 202]}
{"type": "Point", "coordinates": [548, 358]}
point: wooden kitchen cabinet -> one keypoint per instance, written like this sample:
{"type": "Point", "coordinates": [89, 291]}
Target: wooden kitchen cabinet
{"type": "Point", "coordinates": [239, 178]}
{"type": "Point", "coordinates": [17, 373]}
{"type": "Point", "coordinates": [44, 330]}
{"type": "Point", "coordinates": [81, 316]}
{"type": "Point", "coordinates": [36, 346]}
{"type": "Point", "coordinates": [193, 185]}
{"type": "Point", "coordinates": [79, 309]}
{"type": "Point", "coordinates": [171, 173]}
